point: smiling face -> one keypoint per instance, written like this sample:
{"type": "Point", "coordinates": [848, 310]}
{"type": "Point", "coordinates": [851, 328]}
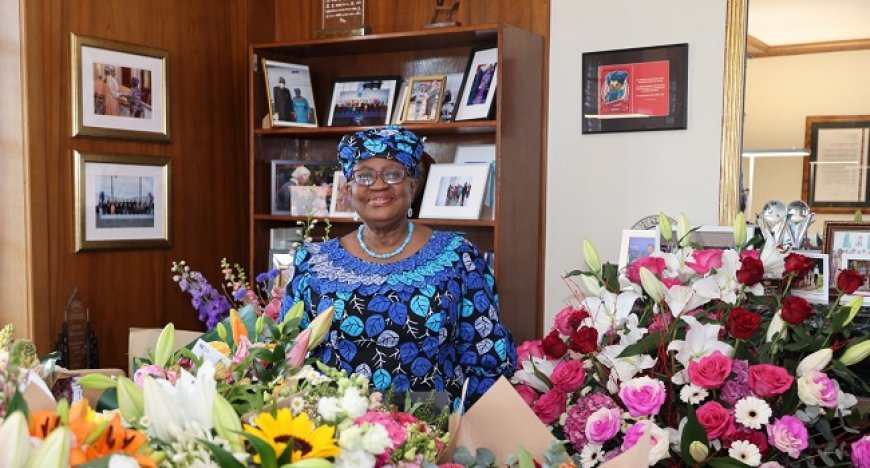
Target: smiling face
{"type": "Point", "coordinates": [381, 203]}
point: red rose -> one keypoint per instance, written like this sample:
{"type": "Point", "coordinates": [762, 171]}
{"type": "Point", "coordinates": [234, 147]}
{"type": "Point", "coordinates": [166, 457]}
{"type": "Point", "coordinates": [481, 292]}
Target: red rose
{"type": "Point", "coordinates": [568, 376]}
{"type": "Point", "coordinates": [553, 346]}
{"type": "Point", "coordinates": [795, 310]}
{"type": "Point", "coordinates": [798, 265]}
{"type": "Point", "coordinates": [584, 340]}
{"type": "Point", "coordinates": [756, 438]}
{"type": "Point", "coordinates": [550, 406]}
{"type": "Point", "coordinates": [715, 419]}
{"type": "Point", "coordinates": [767, 380]}
{"type": "Point", "coordinates": [742, 324]}
{"type": "Point", "coordinates": [751, 271]}
{"type": "Point", "coordinates": [849, 281]}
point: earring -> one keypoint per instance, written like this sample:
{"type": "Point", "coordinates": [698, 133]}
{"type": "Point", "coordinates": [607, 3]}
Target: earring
{"type": "Point", "coordinates": [355, 217]}
{"type": "Point", "coordinates": [410, 212]}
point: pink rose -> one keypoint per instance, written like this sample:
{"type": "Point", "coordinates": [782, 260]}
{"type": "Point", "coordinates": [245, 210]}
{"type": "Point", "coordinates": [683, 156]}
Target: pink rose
{"type": "Point", "coordinates": [603, 424]}
{"type": "Point", "coordinates": [816, 388]}
{"type": "Point", "coordinates": [656, 265]}
{"type": "Point", "coordinates": [643, 396]}
{"type": "Point", "coordinates": [568, 376]}
{"type": "Point", "coordinates": [550, 406]}
{"type": "Point", "coordinates": [717, 421]}
{"type": "Point", "coordinates": [710, 371]}
{"type": "Point", "coordinates": [744, 254]}
{"type": "Point", "coordinates": [527, 393]}
{"type": "Point", "coordinates": [669, 282]}
{"type": "Point", "coordinates": [861, 452]}
{"type": "Point", "coordinates": [702, 261]}
{"type": "Point", "coordinates": [529, 349]}
{"type": "Point", "coordinates": [568, 319]}
{"type": "Point", "coordinates": [767, 380]}
{"type": "Point", "coordinates": [789, 435]}
{"type": "Point", "coordinates": [152, 369]}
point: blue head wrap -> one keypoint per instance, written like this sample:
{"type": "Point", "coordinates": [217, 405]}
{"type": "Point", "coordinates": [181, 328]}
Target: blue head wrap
{"type": "Point", "coordinates": [390, 142]}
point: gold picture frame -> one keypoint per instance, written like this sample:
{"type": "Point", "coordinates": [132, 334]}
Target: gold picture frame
{"type": "Point", "coordinates": [422, 103]}
{"type": "Point", "coordinates": [119, 90]}
{"type": "Point", "coordinates": [121, 201]}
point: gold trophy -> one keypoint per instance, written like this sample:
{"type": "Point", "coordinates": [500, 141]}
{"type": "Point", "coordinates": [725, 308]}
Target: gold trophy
{"type": "Point", "coordinates": [343, 18]}
{"type": "Point", "coordinates": [442, 17]}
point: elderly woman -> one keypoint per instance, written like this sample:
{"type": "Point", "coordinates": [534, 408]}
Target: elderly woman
{"type": "Point", "coordinates": [415, 309]}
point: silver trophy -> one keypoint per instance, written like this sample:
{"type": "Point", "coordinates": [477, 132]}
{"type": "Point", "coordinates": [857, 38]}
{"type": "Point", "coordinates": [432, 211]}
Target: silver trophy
{"type": "Point", "coordinates": [799, 220]}
{"type": "Point", "coordinates": [786, 225]}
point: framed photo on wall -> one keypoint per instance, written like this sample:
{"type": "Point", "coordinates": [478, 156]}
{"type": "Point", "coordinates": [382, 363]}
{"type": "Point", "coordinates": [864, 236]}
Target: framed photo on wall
{"type": "Point", "coordinates": [477, 98]}
{"type": "Point", "coordinates": [291, 100]}
{"type": "Point", "coordinates": [302, 188]}
{"type": "Point", "coordinates": [454, 191]}
{"type": "Point", "coordinates": [835, 176]}
{"type": "Point", "coordinates": [121, 201]}
{"type": "Point", "coordinates": [362, 102]}
{"type": "Point", "coordinates": [119, 90]}
{"type": "Point", "coordinates": [635, 89]}
{"type": "Point", "coordinates": [423, 101]}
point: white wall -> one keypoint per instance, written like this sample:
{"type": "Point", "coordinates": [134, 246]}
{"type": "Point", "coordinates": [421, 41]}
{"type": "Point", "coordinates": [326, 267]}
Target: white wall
{"type": "Point", "coordinates": [598, 185]}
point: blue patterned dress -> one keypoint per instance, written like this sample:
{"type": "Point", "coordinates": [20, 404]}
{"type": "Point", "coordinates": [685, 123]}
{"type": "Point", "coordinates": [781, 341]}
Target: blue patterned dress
{"type": "Point", "coordinates": [424, 323]}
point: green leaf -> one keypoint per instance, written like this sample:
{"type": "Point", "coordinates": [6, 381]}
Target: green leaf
{"type": "Point", "coordinates": [224, 458]}
{"type": "Point", "coordinates": [578, 273]}
{"type": "Point", "coordinates": [525, 459]}
{"type": "Point", "coordinates": [102, 462]}
{"type": "Point", "coordinates": [839, 319]}
{"type": "Point", "coordinates": [645, 345]}
{"type": "Point", "coordinates": [610, 277]}
{"type": "Point", "coordinates": [108, 400]}
{"type": "Point", "coordinates": [726, 462]}
{"type": "Point", "coordinates": [266, 452]}
{"type": "Point", "coordinates": [692, 431]}
{"type": "Point", "coordinates": [18, 404]}
{"type": "Point", "coordinates": [485, 456]}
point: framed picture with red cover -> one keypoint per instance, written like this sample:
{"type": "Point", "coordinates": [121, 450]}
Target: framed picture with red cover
{"type": "Point", "coordinates": [637, 89]}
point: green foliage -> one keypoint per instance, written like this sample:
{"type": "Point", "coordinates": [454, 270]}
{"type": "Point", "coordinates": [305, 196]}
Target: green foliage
{"type": "Point", "coordinates": [224, 458]}
{"type": "Point", "coordinates": [693, 431]}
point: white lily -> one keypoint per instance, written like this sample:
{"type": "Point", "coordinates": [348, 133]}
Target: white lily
{"type": "Point", "coordinates": [777, 325]}
{"type": "Point", "coordinates": [815, 361]}
{"type": "Point", "coordinates": [14, 441]}
{"type": "Point", "coordinates": [589, 286]}
{"type": "Point", "coordinates": [624, 368]}
{"type": "Point", "coordinates": [527, 373]}
{"type": "Point", "coordinates": [683, 298]}
{"type": "Point", "coordinates": [190, 400]}
{"type": "Point", "coordinates": [609, 311]}
{"type": "Point", "coordinates": [774, 262]}
{"type": "Point", "coordinates": [723, 284]}
{"type": "Point", "coordinates": [700, 341]}
{"type": "Point", "coordinates": [653, 287]}
{"type": "Point", "coordinates": [53, 451]}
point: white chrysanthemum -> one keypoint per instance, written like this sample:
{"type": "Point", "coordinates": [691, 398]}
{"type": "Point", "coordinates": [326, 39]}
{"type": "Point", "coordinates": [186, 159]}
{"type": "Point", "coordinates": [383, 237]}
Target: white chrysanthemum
{"type": "Point", "coordinates": [591, 455]}
{"type": "Point", "coordinates": [752, 412]}
{"type": "Point", "coordinates": [350, 439]}
{"type": "Point", "coordinates": [693, 394]}
{"type": "Point", "coordinates": [328, 408]}
{"type": "Point", "coordinates": [376, 439]}
{"type": "Point", "coordinates": [354, 404]}
{"type": "Point", "coordinates": [297, 404]}
{"type": "Point", "coordinates": [354, 459]}
{"type": "Point", "coordinates": [746, 452]}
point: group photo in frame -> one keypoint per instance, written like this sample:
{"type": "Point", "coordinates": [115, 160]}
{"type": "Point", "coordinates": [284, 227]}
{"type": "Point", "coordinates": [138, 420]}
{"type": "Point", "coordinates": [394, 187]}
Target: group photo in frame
{"type": "Point", "coordinates": [835, 175]}
{"type": "Point", "coordinates": [477, 96]}
{"type": "Point", "coordinates": [845, 238]}
{"type": "Point", "coordinates": [121, 201]}
{"type": "Point", "coordinates": [362, 102]}
{"type": "Point", "coordinates": [339, 204]}
{"type": "Point", "coordinates": [119, 90]}
{"type": "Point", "coordinates": [302, 188]}
{"type": "Point", "coordinates": [422, 104]}
{"type": "Point", "coordinates": [644, 88]}
{"type": "Point", "coordinates": [454, 191]}
{"type": "Point", "coordinates": [290, 96]}
{"type": "Point", "coordinates": [637, 244]}
{"type": "Point", "coordinates": [815, 285]}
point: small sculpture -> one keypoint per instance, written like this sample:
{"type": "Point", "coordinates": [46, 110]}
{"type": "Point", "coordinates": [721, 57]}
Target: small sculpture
{"type": "Point", "coordinates": [442, 17]}
{"type": "Point", "coordinates": [786, 225]}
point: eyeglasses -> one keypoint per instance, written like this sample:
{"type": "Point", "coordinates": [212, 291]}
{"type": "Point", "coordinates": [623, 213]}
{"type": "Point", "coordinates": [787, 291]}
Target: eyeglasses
{"type": "Point", "coordinates": [366, 177]}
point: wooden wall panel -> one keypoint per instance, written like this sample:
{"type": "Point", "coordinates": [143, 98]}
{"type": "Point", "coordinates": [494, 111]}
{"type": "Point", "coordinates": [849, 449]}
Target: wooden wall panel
{"type": "Point", "coordinates": [206, 41]}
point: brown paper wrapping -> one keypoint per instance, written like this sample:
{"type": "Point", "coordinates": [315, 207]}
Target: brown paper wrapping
{"type": "Point", "coordinates": [143, 340]}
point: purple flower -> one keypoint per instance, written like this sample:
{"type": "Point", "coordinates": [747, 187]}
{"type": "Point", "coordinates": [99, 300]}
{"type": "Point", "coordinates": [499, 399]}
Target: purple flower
{"type": "Point", "coordinates": [578, 415]}
{"type": "Point", "coordinates": [267, 276]}
{"type": "Point", "coordinates": [789, 435]}
{"type": "Point", "coordinates": [603, 424]}
{"type": "Point", "coordinates": [737, 386]}
{"type": "Point", "coordinates": [239, 294]}
{"type": "Point", "coordinates": [643, 396]}
{"type": "Point", "coordinates": [861, 452]}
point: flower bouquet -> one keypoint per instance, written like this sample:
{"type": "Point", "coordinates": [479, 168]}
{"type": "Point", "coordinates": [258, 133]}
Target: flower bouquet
{"type": "Point", "coordinates": [725, 372]}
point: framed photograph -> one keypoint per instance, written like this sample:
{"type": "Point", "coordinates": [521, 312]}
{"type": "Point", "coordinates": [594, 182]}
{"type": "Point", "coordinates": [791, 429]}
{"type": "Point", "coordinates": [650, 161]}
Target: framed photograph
{"type": "Point", "coordinates": [302, 188]}
{"type": "Point", "coordinates": [454, 191]}
{"type": "Point", "coordinates": [400, 108]}
{"type": "Point", "coordinates": [861, 264]}
{"type": "Point", "coordinates": [451, 95]}
{"type": "Point", "coordinates": [814, 286]}
{"type": "Point", "coordinates": [477, 98]}
{"type": "Point", "coordinates": [630, 90]}
{"type": "Point", "coordinates": [845, 238]}
{"type": "Point", "coordinates": [119, 90]}
{"type": "Point", "coordinates": [362, 102]}
{"type": "Point", "coordinates": [480, 154]}
{"type": "Point", "coordinates": [291, 100]}
{"type": "Point", "coordinates": [835, 176]}
{"type": "Point", "coordinates": [282, 260]}
{"type": "Point", "coordinates": [637, 244]}
{"type": "Point", "coordinates": [717, 237]}
{"type": "Point", "coordinates": [423, 102]}
{"type": "Point", "coordinates": [339, 206]}
{"type": "Point", "coordinates": [121, 201]}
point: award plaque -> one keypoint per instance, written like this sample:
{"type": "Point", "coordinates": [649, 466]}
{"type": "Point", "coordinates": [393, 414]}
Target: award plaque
{"type": "Point", "coordinates": [343, 18]}
{"type": "Point", "coordinates": [442, 16]}
{"type": "Point", "coordinates": [77, 344]}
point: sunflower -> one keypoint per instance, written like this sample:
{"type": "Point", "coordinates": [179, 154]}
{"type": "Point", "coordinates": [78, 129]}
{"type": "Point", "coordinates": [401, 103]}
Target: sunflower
{"type": "Point", "coordinates": [308, 441]}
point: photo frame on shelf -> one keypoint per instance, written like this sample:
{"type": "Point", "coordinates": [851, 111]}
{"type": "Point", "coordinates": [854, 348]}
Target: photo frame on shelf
{"type": "Point", "coordinates": [717, 237]}
{"type": "Point", "coordinates": [282, 260]}
{"type": "Point", "coordinates": [301, 188]}
{"type": "Point", "coordinates": [861, 264]}
{"type": "Point", "coordinates": [121, 201]}
{"type": "Point", "coordinates": [423, 101]}
{"type": "Point", "coordinates": [290, 95]}
{"type": "Point", "coordinates": [119, 90]}
{"type": "Point", "coordinates": [637, 244]}
{"type": "Point", "coordinates": [845, 238]}
{"type": "Point", "coordinates": [398, 118]}
{"type": "Point", "coordinates": [835, 174]}
{"type": "Point", "coordinates": [363, 102]}
{"type": "Point", "coordinates": [637, 89]}
{"type": "Point", "coordinates": [451, 95]}
{"type": "Point", "coordinates": [339, 206]}
{"type": "Point", "coordinates": [479, 84]}
{"type": "Point", "coordinates": [480, 154]}
{"type": "Point", "coordinates": [454, 191]}
{"type": "Point", "coordinates": [814, 286]}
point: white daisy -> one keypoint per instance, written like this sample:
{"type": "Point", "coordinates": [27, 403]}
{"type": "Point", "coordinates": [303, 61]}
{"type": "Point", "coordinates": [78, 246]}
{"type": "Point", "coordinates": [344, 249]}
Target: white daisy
{"type": "Point", "coordinates": [297, 404]}
{"type": "Point", "coordinates": [746, 452]}
{"type": "Point", "coordinates": [693, 394]}
{"type": "Point", "coordinates": [752, 412]}
{"type": "Point", "coordinates": [591, 455]}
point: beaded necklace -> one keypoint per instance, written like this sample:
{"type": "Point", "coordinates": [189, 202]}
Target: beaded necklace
{"type": "Point", "coordinates": [372, 253]}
